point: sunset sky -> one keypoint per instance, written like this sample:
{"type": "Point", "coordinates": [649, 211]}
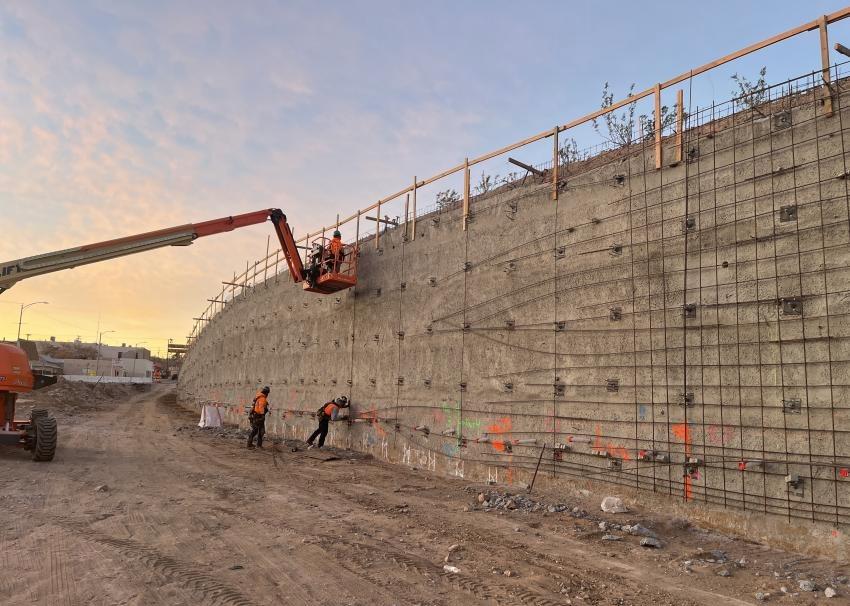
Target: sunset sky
{"type": "Point", "coordinates": [123, 117]}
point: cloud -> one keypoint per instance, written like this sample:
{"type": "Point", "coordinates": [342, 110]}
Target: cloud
{"type": "Point", "coordinates": [122, 118]}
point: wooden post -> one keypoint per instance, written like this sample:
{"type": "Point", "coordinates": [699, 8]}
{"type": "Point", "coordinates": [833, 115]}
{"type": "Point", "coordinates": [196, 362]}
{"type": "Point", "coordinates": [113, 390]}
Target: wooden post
{"type": "Point", "coordinates": [378, 227]}
{"type": "Point", "coordinates": [680, 123]}
{"type": "Point", "coordinates": [555, 162]}
{"type": "Point", "coordinates": [657, 126]}
{"type": "Point", "coordinates": [406, 207]}
{"type": "Point", "coordinates": [465, 193]}
{"type": "Point", "coordinates": [413, 225]}
{"type": "Point", "coordinates": [824, 59]}
{"type": "Point", "coordinates": [357, 230]}
{"type": "Point", "coordinates": [266, 263]}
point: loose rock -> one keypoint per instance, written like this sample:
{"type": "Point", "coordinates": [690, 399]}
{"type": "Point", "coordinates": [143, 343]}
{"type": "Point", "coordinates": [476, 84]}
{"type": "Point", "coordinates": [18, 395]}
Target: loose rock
{"type": "Point", "coordinates": [613, 505]}
{"type": "Point", "coordinates": [650, 542]}
{"type": "Point", "coordinates": [639, 530]}
{"type": "Point", "coordinates": [829, 592]}
{"type": "Point", "coordinates": [807, 585]}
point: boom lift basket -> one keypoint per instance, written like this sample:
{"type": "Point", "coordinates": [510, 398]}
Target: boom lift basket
{"type": "Point", "coordinates": [335, 272]}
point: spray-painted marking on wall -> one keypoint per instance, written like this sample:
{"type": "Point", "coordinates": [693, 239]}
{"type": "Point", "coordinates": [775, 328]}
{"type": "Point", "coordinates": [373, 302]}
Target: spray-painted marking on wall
{"type": "Point", "coordinates": [424, 458]}
{"type": "Point", "coordinates": [642, 412]}
{"type": "Point", "coordinates": [500, 427]}
{"type": "Point", "coordinates": [683, 432]}
{"type": "Point", "coordinates": [613, 450]}
{"type": "Point", "coordinates": [451, 416]}
{"type": "Point", "coordinates": [458, 468]}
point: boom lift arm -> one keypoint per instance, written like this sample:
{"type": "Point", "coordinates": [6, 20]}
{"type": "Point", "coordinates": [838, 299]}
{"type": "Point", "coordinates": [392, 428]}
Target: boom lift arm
{"type": "Point", "coordinates": [182, 235]}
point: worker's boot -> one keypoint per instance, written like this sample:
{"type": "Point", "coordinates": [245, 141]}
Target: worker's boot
{"type": "Point", "coordinates": [250, 445]}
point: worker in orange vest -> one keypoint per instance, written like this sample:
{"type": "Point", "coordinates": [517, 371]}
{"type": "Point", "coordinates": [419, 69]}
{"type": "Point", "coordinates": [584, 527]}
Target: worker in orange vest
{"type": "Point", "coordinates": [336, 249]}
{"type": "Point", "coordinates": [327, 413]}
{"type": "Point", "coordinates": [257, 417]}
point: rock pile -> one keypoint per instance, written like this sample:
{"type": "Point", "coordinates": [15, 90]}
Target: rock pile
{"type": "Point", "coordinates": [516, 502]}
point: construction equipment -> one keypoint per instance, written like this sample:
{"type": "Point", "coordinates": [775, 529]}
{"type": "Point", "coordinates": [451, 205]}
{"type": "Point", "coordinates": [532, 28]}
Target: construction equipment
{"type": "Point", "coordinates": [37, 433]}
{"type": "Point", "coordinates": [330, 273]}
{"type": "Point", "coordinates": [332, 276]}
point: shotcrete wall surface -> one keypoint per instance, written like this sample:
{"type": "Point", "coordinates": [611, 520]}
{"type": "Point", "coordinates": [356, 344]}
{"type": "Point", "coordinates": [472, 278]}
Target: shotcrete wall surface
{"type": "Point", "coordinates": [687, 342]}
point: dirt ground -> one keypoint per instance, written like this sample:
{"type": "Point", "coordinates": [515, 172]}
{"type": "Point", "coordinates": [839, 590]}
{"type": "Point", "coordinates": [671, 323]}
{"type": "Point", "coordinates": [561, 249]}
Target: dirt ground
{"type": "Point", "coordinates": [142, 507]}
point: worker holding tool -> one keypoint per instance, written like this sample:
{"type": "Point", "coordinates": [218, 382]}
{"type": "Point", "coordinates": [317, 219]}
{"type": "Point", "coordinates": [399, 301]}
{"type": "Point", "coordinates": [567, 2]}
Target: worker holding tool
{"type": "Point", "coordinates": [257, 417]}
{"type": "Point", "coordinates": [327, 413]}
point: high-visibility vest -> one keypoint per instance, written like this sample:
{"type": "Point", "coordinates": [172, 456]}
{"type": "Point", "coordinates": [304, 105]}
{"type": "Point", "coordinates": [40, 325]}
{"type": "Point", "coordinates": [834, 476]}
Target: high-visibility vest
{"type": "Point", "coordinates": [260, 403]}
{"type": "Point", "coordinates": [330, 409]}
{"type": "Point", "coordinates": [336, 246]}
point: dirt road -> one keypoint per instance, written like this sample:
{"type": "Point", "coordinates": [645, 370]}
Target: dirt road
{"type": "Point", "coordinates": [141, 507]}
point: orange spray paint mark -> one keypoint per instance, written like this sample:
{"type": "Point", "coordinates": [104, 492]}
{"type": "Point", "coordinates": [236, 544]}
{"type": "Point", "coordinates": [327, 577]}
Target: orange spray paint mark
{"type": "Point", "coordinates": [378, 429]}
{"type": "Point", "coordinates": [683, 432]}
{"type": "Point", "coordinates": [501, 426]}
{"type": "Point", "coordinates": [614, 450]}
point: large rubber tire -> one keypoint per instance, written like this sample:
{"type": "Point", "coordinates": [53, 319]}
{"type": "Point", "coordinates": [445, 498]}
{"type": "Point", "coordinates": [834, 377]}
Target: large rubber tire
{"type": "Point", "coordinates": [46, 435]}
{"type": "Point", "coordinates": [37, 412]}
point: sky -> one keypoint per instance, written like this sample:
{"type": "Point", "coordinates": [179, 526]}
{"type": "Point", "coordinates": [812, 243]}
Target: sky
{"type": "Point", "coordinates": [123, 117]}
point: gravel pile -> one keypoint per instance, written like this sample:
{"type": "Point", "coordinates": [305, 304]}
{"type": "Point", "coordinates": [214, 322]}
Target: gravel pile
{"type": "Point", "coordinates": [507, 501]}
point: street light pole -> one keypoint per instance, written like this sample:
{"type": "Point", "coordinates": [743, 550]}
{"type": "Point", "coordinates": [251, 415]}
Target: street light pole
{"type": "Point", "coordinates": [21, 318]}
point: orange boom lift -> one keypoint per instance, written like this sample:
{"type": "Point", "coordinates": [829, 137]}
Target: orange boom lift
{"type": "Point", "coordinates": [38, 433]}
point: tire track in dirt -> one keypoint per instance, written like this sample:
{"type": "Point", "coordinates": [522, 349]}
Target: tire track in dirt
{"type": "Point", "coordinates": [168, 567]}
{"type": "Point", "coordinates": [625, 574]}
{"type": "Point", "coordinates": [363, 553]}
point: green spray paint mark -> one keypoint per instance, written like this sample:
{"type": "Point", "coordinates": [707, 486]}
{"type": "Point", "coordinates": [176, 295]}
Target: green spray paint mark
{"type": "Point", "coordinates": [453, 419]}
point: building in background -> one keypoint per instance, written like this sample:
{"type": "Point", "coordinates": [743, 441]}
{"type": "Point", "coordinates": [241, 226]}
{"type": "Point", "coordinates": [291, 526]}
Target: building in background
{"type": "Point", "coordinates": [80, 361]}
{"type": "Point", "coordinates": [39, 362]}
{"type": "Point", "coordinates": [117, 370]}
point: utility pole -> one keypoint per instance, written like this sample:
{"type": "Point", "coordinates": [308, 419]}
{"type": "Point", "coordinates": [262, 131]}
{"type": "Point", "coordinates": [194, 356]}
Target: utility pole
{"type": "Point", "coordinates": [21, 319]}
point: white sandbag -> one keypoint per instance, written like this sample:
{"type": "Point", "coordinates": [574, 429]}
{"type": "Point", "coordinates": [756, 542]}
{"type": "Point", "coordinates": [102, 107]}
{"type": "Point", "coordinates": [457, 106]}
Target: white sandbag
{"type": "Point", "coordinates": [210, 416]}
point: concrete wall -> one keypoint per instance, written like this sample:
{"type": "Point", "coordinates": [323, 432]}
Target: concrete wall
{"type": "Point", "coordinates": [565, 323]}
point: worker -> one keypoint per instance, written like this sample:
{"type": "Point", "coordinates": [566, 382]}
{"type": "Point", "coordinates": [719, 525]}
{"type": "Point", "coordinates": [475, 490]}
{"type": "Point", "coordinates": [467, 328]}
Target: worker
{"type": "Point", "coordinates": [257, 417]}
{"type": "Point", "coordinates": [327, 413]}
{"type": "Point", "coordinates": [335, 248]}
{"type": "Point", "coordinates": [313, 268]}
